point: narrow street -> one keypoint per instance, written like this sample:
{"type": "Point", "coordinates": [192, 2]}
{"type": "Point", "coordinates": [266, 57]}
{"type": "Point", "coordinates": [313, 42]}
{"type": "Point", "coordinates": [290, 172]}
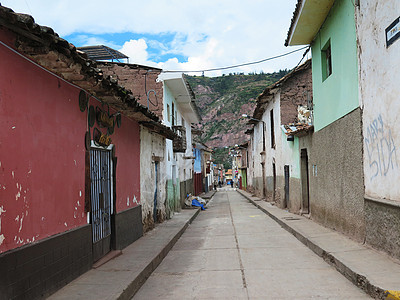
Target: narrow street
{"type": "Point", "coordinates": [234, 251]}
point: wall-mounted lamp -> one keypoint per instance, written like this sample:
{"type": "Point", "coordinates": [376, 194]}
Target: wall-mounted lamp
{"type": "Point", "coordinates": [251, 118]}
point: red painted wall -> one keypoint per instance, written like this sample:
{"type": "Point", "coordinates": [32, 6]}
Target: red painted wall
{"type": "Point", "coordinates": [42, 154]}
{"type": "Point", "coordinates": [126, 140]}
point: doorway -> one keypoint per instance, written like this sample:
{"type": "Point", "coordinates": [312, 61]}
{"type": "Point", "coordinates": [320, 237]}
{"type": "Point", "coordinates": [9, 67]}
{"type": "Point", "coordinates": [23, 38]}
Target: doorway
{"type": "Point", "coordinates": [274, 182]}
{"type": "Point", "coordinates": [287, 179]}
{"type": "Point", "coordinates": [101, 194]}
{"type": "Point", "coordinates": [305, 181]}
{"type": "Point", "coordinates": [156, 166]}
{"type": "Point", "coordinates": [264, 184]}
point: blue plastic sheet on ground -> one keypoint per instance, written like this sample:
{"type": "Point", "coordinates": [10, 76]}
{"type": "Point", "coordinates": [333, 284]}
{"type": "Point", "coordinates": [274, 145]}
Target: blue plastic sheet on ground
{"type": "Point", "coordinates": [197, 203]}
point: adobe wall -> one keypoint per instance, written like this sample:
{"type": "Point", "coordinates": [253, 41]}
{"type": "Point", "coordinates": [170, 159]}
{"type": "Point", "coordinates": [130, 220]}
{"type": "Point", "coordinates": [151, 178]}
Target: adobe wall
{"type": "Point", "coordinates": [294, 92]}
{"type": "Point", "coordinates": [140, 81]}
{"type": "Point", "coordinates": [151, 152]}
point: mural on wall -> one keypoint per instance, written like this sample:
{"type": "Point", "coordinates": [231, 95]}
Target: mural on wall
{"type": "Point", "coordinates": [380, 148]}
{"type": "Point", "coordinates": [103, 119]}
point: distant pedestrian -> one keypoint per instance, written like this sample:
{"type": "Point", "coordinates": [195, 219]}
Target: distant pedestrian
{"type": "Point", "coordinates": [231, 183]}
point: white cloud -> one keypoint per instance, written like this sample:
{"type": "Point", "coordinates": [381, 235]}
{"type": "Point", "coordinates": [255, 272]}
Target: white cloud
{"type": "Point", "coordinates": [85, 40]}
{"type": "Point", "coordinates": [136, 50]}
{"type": "Point", "coordinates": [210, 33]}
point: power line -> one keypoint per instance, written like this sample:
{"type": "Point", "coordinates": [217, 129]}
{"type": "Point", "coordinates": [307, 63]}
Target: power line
{"type": "Point", "coordinates": [304, 54]}
{"type": "Point", "coordinates": [234, 66]}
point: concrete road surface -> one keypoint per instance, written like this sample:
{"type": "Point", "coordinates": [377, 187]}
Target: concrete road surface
{"type": "Point", "coordinates": [234, 251]}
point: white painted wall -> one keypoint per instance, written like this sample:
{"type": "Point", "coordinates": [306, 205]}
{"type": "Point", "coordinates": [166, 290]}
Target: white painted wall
{"type": "Point", "coordinates": [250, 163]}
{"type": "Point", "coordinates": [151, 144]}
{"type": "Point", "coordinates": [284, 153]}
{"type": "Point", "coordinates": [170, 160]}
{"type": "Point", "coordinates": [183, 167]}
{"type": "Point", "coordinates": [379, 90]}
{"type": "Point", "coordinates": [186, 165]}
{"type": "Point", "coordinates": [257, 148]}
{"type": "Point", "coordinates": [287, 153]}
{"type": "Point", "coordinates": [271, 153]}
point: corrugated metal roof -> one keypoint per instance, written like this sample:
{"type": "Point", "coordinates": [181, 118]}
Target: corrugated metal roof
{"type": "Point", "coordinates": [101, 52]}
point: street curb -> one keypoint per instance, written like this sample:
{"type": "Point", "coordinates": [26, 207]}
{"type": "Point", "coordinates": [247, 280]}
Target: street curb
{"type": "Point", "coordinates": [209, 196]}
{"type": "Point", "coordinates": [137, 283]}
{"type": "Point", "coordinates": [360, 280]}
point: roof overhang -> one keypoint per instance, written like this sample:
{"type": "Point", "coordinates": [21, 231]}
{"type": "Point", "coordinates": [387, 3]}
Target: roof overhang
{"type": "Point", "coordinates": [298, 129]}
{"type": "Point", "coordinates": [308, 18]}
{"type": "Point", "coordinates": [269, 93]}
{"type": "Point", "coordinates": [182, 94]}
{"type": "Point", "coordinates": [42, 46]}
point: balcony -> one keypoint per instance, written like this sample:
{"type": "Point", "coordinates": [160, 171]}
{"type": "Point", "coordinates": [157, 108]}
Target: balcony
{"type": "Point", "coordinates": [179, 143]}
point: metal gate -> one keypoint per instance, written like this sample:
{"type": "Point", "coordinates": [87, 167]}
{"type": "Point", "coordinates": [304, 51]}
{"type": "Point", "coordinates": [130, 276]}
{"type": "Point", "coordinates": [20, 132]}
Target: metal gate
{"type": "Point", "coordinates": [101, 200]}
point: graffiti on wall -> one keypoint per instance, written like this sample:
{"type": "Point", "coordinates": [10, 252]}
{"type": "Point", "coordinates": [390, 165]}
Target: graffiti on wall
{"type": "Point", "coordinates": [380, 148]}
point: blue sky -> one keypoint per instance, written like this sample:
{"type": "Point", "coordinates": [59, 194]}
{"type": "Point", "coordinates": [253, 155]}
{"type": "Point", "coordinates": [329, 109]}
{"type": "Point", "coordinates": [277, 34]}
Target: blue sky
{"type": "Point", "coordinates": [175, 34]}
{"type": "Point", "coordinates": [159, 45]}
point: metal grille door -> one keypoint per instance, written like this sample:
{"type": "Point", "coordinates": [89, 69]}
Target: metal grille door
{"type": "Point", "coordinates": [101, 193]}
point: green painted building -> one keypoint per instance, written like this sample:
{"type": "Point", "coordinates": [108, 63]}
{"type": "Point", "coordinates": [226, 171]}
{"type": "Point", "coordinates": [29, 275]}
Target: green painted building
{"type": "Point", "coordinates": [332, 156]}
{"type": "Point", "coordinates": [334, 57]}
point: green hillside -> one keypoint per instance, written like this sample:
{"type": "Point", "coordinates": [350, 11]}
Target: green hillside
{"type": "Point", "coordinates": [222, 100]}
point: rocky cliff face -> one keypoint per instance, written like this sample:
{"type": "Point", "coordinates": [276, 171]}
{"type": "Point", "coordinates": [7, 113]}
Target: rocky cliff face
{"type": "Point", "coordinates": [223, 100]}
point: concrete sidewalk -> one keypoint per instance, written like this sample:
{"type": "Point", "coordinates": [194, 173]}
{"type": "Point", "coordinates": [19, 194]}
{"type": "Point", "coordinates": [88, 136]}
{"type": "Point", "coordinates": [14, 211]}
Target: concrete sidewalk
{"type": "Point", "coordinates": [207, 196]}
{"type": "Point", "coordinates": [371, 270]}
{"type": "Point", "coordinates": [122, 277]}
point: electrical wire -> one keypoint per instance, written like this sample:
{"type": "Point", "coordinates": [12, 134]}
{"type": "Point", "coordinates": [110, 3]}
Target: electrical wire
{"type": "Point", "coordinates": [234, 66]}
{"type": "Point", "coordinates": [148, 92]}
{"type": "Point", "coordinates": [304, 54]}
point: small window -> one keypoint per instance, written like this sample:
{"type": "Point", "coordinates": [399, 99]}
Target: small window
{"type": "Point", "coordinates": [176, 117]}
{"type": "Point", "coordinates": [174, 174]}
{"type": "Point", "coordinates": [168, 114]}
{"type": "Point", "coordinates": [173, 114]}
{"type": "Point", "coordinates": [326, 60]}
{"type": "Point", "coordinates": [272, 129]}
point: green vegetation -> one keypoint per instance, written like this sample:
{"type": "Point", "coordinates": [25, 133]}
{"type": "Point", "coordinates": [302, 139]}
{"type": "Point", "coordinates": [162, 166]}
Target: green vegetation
{"type": "Point", "coordinates": [222, 100]}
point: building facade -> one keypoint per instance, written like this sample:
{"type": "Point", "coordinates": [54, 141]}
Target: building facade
{"type": "Point", "coordinates": [179, 113]}
{"type": "Point", "coordinates": [278, 110]}
{"type": "Point", "coordinates": [378, 32]}
{"type": "Point", "coordinates": [352, 153]}
{"type": "Point", "coordinates": [70, 160]}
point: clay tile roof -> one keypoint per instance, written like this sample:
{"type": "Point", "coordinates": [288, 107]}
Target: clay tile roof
{"type": "Point", "coordinates": [264, 97]}
{"type": "Point", "coordinates": [44, 47]}
{"type": "Point", "coordinates": [293, 21]}
{"type": "Point", "coordinates": [298, 129]}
